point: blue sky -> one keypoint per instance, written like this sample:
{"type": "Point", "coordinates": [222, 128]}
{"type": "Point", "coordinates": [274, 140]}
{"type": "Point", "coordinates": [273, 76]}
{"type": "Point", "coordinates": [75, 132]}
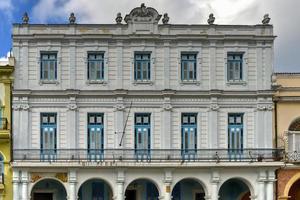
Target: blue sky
{"type": "Point", "coordinates": [284, 15]}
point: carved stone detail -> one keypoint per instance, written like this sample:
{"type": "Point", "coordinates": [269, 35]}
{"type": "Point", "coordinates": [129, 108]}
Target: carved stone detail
{"type": "Point", "coordinates": [72, 104]}
{"type": "Point", "coordinates": [72, 18]}
{"type": "Point", "coordinates": [264, 107]}
{"type": "Point", "coordinates": [119, 18]}
{"type": "Point", "coordinates": [143, 14]}
{"type": "Point", "coordinates": [266, 20]}
{"type": "Point", "coordinates": [35, 177]}
{"type": "Point", "coordinates": [167, 104]}
{"type": "Point", "coordinates": [211, 19]}
{"type": "Point", "coordinates": [25, 18]}
{"type": "Point", "coordinates": [62, 176]}
{"type": "Point", "coordinates": [214, 107]}
{"type": "Point", "coordinates": [166, 19]}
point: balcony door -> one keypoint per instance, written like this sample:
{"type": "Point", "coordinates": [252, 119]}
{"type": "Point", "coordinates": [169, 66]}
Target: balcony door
{"type": "Point", "coordinates": [95, 136]}
{"type": "Point", "coordinates": [48, 135]}
{"type": "Point", "coordinates": [189, 135]}
{"type": "Point", "coordinates": [235, 135]}
{"type": "Point", "coordinates": [142, 135]}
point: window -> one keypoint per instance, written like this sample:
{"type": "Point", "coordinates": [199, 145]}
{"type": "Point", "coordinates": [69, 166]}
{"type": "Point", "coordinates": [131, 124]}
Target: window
{"type": "Point", "coordinates": [48, 135]}
{"type": "Point", "coordinates": [1, 169]}
{"type": "Point", "coordinates": [142, 134]}
{"type": "Point", "coordinates": [142, 70]}
{"type": "Point", "coordinates": [49, 66]}
{"type": "Point", "coordinates": [188, 134]}
{"type": "Point", "coordinates": [95, 135]}
{"type": "Point", "coordinates": [235, 66]}
{"type": "Point", "coordinates": [189, 66]}
{"type": "Point", "coordinates": [95, 66]}
{"type": "Point", "coordinates": [235, 133]}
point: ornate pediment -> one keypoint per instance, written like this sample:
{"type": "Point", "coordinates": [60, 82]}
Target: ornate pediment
{"type": "Point", "coordinates": [143, 14]}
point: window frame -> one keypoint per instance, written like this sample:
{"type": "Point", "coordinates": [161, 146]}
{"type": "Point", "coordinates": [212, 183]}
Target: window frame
{"type": "Point", "coordinates": [149, 66]}
{"type": "Point", "coordinates": [95, 125]}
{"type": "Point", "coordinates": [187, 60]}
{"type": "Point", "coordinates": [142, 125]}
{"type": "Point", "coordinates": [236, 125]}
{"type": "Point", "coordinates": [42, 67]}
{"type": "Point", "coordinates": [48, 125]}
{"type": "Point", "coordinates": [241, 66]}
{"type": "Point", "coordinates": [189, 125]}
{"type": "Point", "coordinates": [102, 61]}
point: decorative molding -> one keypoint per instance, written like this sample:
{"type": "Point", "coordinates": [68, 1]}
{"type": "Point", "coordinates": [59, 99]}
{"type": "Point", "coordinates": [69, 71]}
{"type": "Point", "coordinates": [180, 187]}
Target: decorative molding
{"type": "Point", "coordinates": [264, 107]}
{"type": "Point", "coordinates": [35, 177]}
{"type": "Point", "coordinates": [62, 176]}
{"type": "Point", "coordinates": [143, 14]}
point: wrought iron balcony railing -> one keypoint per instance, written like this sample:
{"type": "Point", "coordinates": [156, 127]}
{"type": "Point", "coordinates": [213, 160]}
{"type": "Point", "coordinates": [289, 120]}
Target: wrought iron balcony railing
{"type": "Point", "coordinates": [150, 155]}
{"type": "Point", "coordinates": [3, 124]}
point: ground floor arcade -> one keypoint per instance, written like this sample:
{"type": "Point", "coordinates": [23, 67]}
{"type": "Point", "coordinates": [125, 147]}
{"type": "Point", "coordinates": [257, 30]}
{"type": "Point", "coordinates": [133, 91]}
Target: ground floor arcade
{"type": "Point", "coordinates": [144, 183]}
{"type": "Point", "coordinates": [288, 183]}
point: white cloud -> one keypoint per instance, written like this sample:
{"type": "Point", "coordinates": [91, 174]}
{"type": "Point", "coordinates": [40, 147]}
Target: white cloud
{"type": "Point", "coordinates": [284, 16]}
{"type": "Point", "coordinates": [6, 7]}
{"type": "Point", "coordinates": [5, 58]}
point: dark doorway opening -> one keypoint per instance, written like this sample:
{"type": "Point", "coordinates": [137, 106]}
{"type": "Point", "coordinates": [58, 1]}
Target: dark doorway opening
{"type": "Point", "coordinates": [130, 195]}
{"type": "Point", "coordinates": [43, 196]}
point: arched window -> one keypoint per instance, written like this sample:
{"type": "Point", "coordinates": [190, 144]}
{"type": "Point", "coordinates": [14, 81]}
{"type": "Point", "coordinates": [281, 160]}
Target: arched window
{"type": "Point", "coordinates": [294, 135]}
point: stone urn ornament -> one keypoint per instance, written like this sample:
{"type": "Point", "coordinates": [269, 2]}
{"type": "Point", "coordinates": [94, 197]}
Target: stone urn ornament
{"type": "Point", "coordinates": [72, 18]}
{"type": "Point", "coordinates": [211, 19]}
{"type": "Point", "coordinates": [119, 18]}
{"type": "Point", "coordinates": [25, 18]}
{"type": "Point", "coordinates": [166, 19]}
{"type": "Point", "coordinates": [266, 20]}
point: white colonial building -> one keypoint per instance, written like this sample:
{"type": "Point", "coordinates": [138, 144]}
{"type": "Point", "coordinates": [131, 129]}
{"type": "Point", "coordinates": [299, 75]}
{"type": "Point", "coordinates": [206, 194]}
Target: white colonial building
{"type": "Point", "coordinates": [143, 111]}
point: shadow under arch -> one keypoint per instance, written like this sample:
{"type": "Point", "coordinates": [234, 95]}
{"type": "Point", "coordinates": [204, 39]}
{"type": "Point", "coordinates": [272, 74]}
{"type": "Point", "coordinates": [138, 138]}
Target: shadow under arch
{"type": "Point", "coordinates": [295, 124]}
{"type": "Point", "coordinates": [48, 187]}
{"type": "Point", "coordinates": [290, 184]}
{"type": "Point", "coordinates": [192, 187]}
{"type": "Point", "coordinates": [95, 188]}
{"type": "Point", "coordinates": [142, 189]}
{"type": "Point", "coordinates": [235, 188]}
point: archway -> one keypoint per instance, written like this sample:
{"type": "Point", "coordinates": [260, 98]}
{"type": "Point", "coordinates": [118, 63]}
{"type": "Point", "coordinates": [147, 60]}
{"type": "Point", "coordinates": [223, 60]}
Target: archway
{"type": "Point", "coordinates": [234, 189]}
{"type": "Point", "coordinates": [48, 189]}
{"type": "Point", "coordinates": [294, 135]}
{"type": "Point", "coordinates": [95, 189]}
{"type": "Point", "coordinates": [294, 192]}
{"type": "Point", "coordinates": [141, 189]}
{"type": "Point", "coordinates": [188, 189]}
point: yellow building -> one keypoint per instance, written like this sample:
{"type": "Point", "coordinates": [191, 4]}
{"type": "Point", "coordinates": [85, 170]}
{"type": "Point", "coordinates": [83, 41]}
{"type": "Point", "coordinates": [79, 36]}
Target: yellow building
{"type": "Point", "coordinates": [287, 127]}
{"type": "Point", "coordinates": [6, 74]}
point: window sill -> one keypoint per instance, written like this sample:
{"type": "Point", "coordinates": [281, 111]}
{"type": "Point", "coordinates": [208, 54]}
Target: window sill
{"type": "Point", "coordinates": [190, 82]}
{"type": "Point", "coordinates": [100, 82]}
{"type": "Point", "coordinates": [244, 83]}
{"type": "Point", "coordinates": [48, 82]}
{"type": "Point", "coordinates": [146, 82]}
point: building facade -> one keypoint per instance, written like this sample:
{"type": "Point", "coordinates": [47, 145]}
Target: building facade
{"type": "Point", "coordinates": [287, 124]}
{"type": "Point", "coordinates": [142, 110]}
{"type": "Point", "coordinates": [6, 79]}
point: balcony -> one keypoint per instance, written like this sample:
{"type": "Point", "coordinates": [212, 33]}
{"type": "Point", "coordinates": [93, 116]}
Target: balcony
{"type": "Point", "coordinates": [148, 155]}
{"type": "Point", "coordinates": [3, 124]}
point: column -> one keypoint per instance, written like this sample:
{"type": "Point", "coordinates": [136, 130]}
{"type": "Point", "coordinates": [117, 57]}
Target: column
{"type": "Point", "coordinates": [166, 65]}
{"type": "Point", "coordinates": [120, 184]}
{"type": "Point", "coordinates": [212, 65]}
{"type": "Point", "coordinates": [24, 122]}
{"type": "Point", "coordinates": [270, 185]}
{"type": "Point", "coordinates": [166, 130]}
{"type": "Point", "coordinates": [72, 65]}
{"type": "Point", "coordinates": [167, 190]}
{"type": "Point", "coordinates": [215, 179]}
{"type": "Point", "coordinates": [72, 185]}
{"type": "Point", "coordinates": [119, 122]}
{"type": "Point", "coordinates": [16, 180]}
{"type": "Point", "coordinates": [119, 65]}
{"type": "Point", "coordinates": [24, 181]}
{"type": "Point", "coordinates": [72, 124]}
{"type": "Point", "coordinates": [213, 127]}
{"type": "Point", "coordinates": [261, 185]}
{"type": "Point", "coordinates": [260, 127]}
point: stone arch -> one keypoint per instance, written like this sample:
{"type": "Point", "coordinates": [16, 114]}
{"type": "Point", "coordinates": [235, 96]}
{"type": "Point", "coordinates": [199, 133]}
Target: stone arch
{"type": "Point", "coordinates": [295, 125]}
{"type": "Point", "coordinates": [195, 185]}
{"type": "Point", "coordinates": [242, 180]}
{"type": "Point", "coordinates": [99, 180]}
{"type": "Point", "coordinates": [204, 186]}
{"type": "Point", "coordinates": [143, 179]}
{"type": "Point", "coordinates": [50, 179]}
{"type": "Point", "coordinates": [290, 183]}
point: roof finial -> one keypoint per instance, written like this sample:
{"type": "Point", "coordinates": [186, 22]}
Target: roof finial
{"type": "Point", "coordinates": [72, 18]}
{"type": "Point", "coordinates": [119, 18]}
{"type": "Point", "coordinates": [166, 19]}
{"type": "Point", "coordinates": [266, 19]}
{"type": "Point", "coordinates": [25, 18]}
{"type": "Point", "coordinates": [211, 19]}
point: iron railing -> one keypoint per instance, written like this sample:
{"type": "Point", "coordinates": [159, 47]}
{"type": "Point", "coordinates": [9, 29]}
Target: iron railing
{"type": "Point", "coordinates": [292, 156]}
{"type": "Point", "coordinates": [3, 124]}
{"type": "Point", "coordinates": [150, 155]}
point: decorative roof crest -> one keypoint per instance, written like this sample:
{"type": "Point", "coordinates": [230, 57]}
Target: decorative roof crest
{"type": "Point", "coordinates": [143, 14]}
